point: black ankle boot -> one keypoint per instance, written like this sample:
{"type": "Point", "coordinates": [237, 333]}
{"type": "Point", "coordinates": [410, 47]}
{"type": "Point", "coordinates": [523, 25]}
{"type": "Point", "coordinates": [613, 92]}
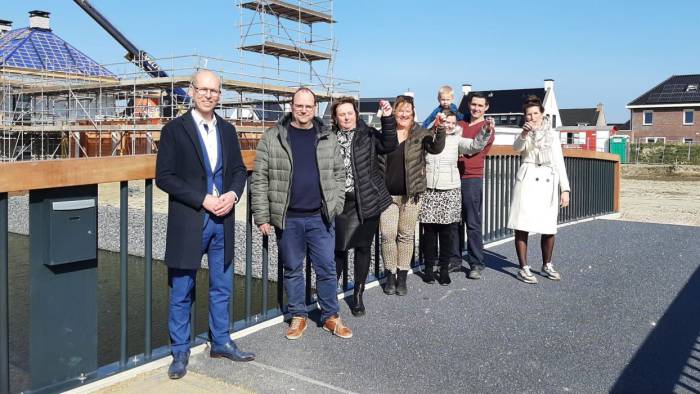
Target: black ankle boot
{"type": "Point", "coordinates": [358, 307]}
{"type": "Point", "coordinates": [390, 285]}
{"type": "Point", "coordinates": [444, 278]}
{"type": "Point", "coordinates": [428, 274]}
{"type": "Point", "coordinates": [401, 282]}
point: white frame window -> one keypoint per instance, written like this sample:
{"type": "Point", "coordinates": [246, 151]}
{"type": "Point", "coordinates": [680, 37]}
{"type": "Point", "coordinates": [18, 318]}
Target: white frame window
{"type": "Point", "coordinates": [644, 118]}
{"type": "Point", "coordinates": [685, 118]}
{"type": "Point", "coordinates": [688, 141]}
{"type": "Point", "coordinates": [654, 140]}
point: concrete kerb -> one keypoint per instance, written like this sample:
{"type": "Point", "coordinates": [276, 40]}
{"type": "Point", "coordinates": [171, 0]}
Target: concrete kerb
{"type": "Point", "coordinates": [165, 361]}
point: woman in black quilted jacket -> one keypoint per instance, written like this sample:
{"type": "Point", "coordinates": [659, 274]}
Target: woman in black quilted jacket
{"type": "Point", "coordinates": [366, 195]}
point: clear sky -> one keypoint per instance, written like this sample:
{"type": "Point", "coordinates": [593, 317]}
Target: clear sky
{"type": "Point", "coordinates": [596, 51]}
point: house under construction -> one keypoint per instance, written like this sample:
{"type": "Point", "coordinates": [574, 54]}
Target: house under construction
{"type": "Point", "coordinates": [56, 102]}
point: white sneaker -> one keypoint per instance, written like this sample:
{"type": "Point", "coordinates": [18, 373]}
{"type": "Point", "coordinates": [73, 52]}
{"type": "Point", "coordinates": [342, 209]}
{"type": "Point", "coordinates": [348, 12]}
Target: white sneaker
{"type": "Point", "coordinates": [526, 276]}
{"type": "Point", "coordinates": [549, 272]}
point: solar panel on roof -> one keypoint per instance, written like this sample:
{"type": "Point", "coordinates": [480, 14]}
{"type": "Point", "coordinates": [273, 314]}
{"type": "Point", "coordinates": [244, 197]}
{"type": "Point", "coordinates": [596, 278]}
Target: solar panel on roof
{"type": "Point", "coordinates": [674, 93]}
{"type": "Point", "coordinates": [43, 50]}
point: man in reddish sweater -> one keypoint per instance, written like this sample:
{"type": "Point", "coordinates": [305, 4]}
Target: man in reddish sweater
{"type": "Point", "coordinates": [471, 168]}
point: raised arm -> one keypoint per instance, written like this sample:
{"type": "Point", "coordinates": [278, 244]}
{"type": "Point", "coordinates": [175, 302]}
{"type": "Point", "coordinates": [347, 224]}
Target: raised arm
{"type": "Point", "coordinates": [387, 140]}
{"type": "Point", "coordinates": [484, 138]}
{"type": "Point", "coordinates": [434, 143]}
{"type": "Point", "coordinates": [429, 120]}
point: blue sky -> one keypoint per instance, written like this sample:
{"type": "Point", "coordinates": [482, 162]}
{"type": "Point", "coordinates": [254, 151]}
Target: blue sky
{"type": "Point", "coordinates": [596, 51]}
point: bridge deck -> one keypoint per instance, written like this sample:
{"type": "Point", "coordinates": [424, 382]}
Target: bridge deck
{"type": "Point", "coordinates": [624, 318]}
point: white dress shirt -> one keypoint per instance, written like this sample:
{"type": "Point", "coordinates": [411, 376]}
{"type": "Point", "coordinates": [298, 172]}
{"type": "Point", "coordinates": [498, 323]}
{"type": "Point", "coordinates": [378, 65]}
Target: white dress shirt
{"type": "Point", "coordinates": [208, 134]}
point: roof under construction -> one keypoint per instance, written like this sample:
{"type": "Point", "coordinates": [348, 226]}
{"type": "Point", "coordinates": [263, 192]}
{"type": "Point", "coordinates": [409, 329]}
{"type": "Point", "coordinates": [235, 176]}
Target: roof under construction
{"type": "Point", "coordinates": [41, 49]}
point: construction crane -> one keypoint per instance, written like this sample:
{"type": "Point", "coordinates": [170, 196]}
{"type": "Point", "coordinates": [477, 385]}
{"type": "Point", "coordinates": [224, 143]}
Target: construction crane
{"type": "Point", "coordinates": [137, 56]}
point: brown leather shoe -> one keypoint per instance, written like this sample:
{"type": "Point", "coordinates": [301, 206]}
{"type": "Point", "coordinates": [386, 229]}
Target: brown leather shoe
{"type": "Point", "coordinates": [296, 327]}
{"type": "Point", "coordinates": [336, 326]}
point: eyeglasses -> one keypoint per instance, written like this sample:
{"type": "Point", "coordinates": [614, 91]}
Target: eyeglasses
{"type": "Point", "coordinates": [204, 91]}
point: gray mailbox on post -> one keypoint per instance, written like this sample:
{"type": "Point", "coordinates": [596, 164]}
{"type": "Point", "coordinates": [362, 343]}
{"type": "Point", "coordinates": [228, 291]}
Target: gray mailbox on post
{"type": "Point", "coordinates": [63, 259]}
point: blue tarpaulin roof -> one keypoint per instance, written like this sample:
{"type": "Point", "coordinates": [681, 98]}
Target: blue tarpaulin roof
{"type": "Point", "coordinates": [40, 49]}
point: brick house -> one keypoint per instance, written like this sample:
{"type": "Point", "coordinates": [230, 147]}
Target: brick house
{"type": "Point", "coordinates": [585, 128]}
{"type": "Point", "coordinates": [667, 112]}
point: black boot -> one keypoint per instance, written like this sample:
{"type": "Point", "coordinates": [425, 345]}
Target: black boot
{"type": "Point", "coordinates": [358, 307]}
{"type": "Point", "coordinates": [390, 285]}
{"type": "Point", "coordinates": [428, 274]}
{"type": "Point", "coordinates": [401, 283]}
{"type": "Point", "coordinates": [444, 278]}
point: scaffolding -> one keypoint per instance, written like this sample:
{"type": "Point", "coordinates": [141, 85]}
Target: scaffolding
{"type": "Point", "coordinates": [49, 115]}
{"type": "Point", "coordinates": [294, 34]}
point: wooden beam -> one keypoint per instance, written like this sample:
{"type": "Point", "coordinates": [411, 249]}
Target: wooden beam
{"type": "Point", "coordinates": [46, 174]}
{"type": "Point", "coordinates": [19, 176]}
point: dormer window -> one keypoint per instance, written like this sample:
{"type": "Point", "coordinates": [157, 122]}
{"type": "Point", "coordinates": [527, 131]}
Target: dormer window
{"type": "Point", "coordinates": [692, 88]}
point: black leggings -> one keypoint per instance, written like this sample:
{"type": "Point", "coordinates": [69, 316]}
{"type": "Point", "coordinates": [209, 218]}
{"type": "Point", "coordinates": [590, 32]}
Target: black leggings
{"type": "Point", "coordinates": [361, 262]}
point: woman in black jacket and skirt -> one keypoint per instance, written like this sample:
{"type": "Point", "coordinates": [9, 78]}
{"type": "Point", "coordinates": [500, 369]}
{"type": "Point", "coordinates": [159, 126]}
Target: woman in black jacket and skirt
{"type": "Point", "coordinates": [366, 195]}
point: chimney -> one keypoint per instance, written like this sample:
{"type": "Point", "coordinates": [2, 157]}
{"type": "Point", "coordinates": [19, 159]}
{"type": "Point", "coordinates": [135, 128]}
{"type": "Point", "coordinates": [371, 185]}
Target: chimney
{"type": "Point", "coordinates": [5, 26]}
{"type": "Point", "coordinates": [39, 20]}
{"type": "Point", "coordinates": [599, 107]}
{"type": "Point", "coordinates": [548, 84]}
{"type": "Point", "coordinates": [466, 89]}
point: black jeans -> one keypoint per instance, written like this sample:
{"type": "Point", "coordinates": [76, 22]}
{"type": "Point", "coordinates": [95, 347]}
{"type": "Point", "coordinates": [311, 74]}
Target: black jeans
{"type": "Point", "coordinates": [471, 215]}
{"type": "Point", "coordinates": [448, 237]}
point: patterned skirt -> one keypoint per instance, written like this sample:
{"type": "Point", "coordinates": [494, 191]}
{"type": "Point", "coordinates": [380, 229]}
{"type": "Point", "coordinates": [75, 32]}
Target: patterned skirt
{"type": "Point", "coordinates": [441, 206]}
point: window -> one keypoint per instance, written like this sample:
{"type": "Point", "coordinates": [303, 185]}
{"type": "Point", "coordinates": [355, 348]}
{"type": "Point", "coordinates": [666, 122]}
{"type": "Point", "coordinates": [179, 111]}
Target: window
{"type": "Point", "coordinates": [692, 88]}
{"type": "Point", "coordinates": [569, 138]}
{"type": "Point", "coordinates": [648, 118]}
{"type": "Point", "coordinates": [687, 140]}
{"type": "Point", "coordinates": [688, 117]}
{"type": "Point", "coordinates": [654, 140]}
{"type": "Point", "coordinates": [554, 120]}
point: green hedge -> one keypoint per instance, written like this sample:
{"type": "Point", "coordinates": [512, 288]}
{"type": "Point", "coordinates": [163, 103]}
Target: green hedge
{"type": "Point", "coordinates": [660, 153]}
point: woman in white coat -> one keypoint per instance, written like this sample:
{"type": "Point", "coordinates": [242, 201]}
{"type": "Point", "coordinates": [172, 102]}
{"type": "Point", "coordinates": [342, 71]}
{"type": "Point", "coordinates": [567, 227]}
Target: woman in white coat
{"type": "Point", "coordinates": [541, 187]}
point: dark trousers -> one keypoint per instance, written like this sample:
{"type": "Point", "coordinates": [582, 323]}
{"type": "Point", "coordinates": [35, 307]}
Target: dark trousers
{"type": "Point", "coordinates": [448, 237]}
{"type": "Point", "coordinates": [471, 215]}
{"type": "Point", "coordinates": [301, 235]}
{"type": "Point", "coordinates": [182, 283]}
{"type": "Point", "coordinates": [360, 262]}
